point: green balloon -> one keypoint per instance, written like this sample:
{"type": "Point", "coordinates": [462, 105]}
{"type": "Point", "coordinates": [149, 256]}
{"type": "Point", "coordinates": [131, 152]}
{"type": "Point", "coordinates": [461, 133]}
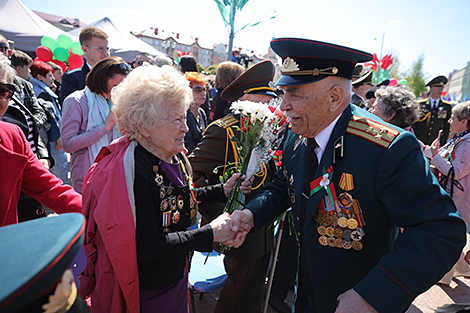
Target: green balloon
{"type": "Point", "coordinates": [403, 81]}
{"type": "Point", "coordinates": [61, 54]}
{"type": "Point", "coordinates": [77, 48]}
{"type": "Point", "coordinates": [49, 42]}
{"type": "Point", "coordinates": [64, 41]}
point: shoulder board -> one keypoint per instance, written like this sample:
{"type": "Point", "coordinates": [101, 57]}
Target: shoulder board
{"type": "Point", "coordinates": [422, 100]}
{"type": "Point", "coordinates": [227, 121]}
{"type": "Point", "coordinates": [371, 130]}
{"type": "Point", "coordinates": [446, 102]}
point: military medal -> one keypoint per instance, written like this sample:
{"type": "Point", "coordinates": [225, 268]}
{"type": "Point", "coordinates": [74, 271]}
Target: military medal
{"type": "Point", "coordinates": [166, 219]}
{"type": "Point", "coordinates": [172, 202]}
{"type": "Point", "coordinates": [330, 231]}
{"type": "Point", "coordinates": [321, 230]}
{"type": "Point", "coordinates": [339, 242]}
{"type": "Point", "coordinates": [180, 202]}
{"type": "Point", "coordinates": [346, 244]}
{"type": "Point", "coordinates": [331, 241]}
{"type": "Point", "coordinates": [356, 235]}
{"type": "Point", "coordinates": [356, 245]}
{"type": "Point", "coordinates": [162, 192]}
{"type": "Point", "coordinates": [343, 222]}
{"type": "Point", "coordinates": [338, 233]}
{"type": "Point", "coordinates": [176, 217]}
{"type": "Point", "coordinates": [159, 179]}
{"type": "Point", "coordinates": [323, 240]}
{"type": "Point", "coordinates": [352, 223]}
{"type": "Point", "coordinates": [164, 205]}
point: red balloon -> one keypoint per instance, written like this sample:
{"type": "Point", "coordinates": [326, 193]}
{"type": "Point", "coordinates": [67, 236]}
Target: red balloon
{"type": "Point", "coordinates": [444, 93]}
{"type": "Point", "coordinates": [44, 54]}
{"type": "Point", "coordinates": [61, 64]}
{"type": "Point", "coordinates": [75, 61]}
{"type": "Point", "coordinates": [393, 82]}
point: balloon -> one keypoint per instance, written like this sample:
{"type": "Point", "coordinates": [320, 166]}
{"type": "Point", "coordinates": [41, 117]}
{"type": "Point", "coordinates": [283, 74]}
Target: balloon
{"type": "Point", "coordinates": [49, 42]}
{"type": "Point", "coordinates": [61, 54]}
{"type": "Point", "coordinates": [44, 53]}
{"type": "Point", "coordinates": [444, 93]}
{"type": "Point", "coordinates": [393, 82]}
{"type": "Point", "coordinates": [64, 41]}
{"type": "Point", "coordinates": [77, 48]}
{"type": "Point", "coordinates": [75, 61]}
{"type": "Point", "coordinates": [403, 82]}
{"type": "Point", "coordinates": [61, 64]}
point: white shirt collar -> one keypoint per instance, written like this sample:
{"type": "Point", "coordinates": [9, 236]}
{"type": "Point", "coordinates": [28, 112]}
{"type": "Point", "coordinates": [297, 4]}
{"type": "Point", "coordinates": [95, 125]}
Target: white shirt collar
{"type": "Point", "coordinates": [323, 137]}
{"type": "Point", "coordinates": [89, 66]}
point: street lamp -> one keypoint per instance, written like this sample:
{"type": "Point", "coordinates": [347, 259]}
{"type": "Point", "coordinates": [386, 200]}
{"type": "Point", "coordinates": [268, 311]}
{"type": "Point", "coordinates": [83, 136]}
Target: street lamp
{"type": "Point", "coordinates": [169, 45]}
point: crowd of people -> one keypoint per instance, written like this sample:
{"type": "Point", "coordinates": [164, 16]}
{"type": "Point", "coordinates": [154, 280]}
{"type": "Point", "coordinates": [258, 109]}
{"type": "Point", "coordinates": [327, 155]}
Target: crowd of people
{"type": "Point", "coordinates": [380, 212]}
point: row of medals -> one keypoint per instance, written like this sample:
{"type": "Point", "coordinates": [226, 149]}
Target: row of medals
{"type": "Point", "coordinates": [173, 203]}
{"type": "Point", "coordinates": [338, 231]}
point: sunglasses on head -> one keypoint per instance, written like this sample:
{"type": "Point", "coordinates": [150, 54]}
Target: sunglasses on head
{"type": "Point", "coordinates": [6, 91]}
{"type": "Point", "coordinates": [124, 67]}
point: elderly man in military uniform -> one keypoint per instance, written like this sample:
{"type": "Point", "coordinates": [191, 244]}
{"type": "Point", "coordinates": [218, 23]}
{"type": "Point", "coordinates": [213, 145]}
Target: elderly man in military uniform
{"type": "Point", "coordinates": [348, 212]}
{"type": "Point", "coordinates": [247, 265]}
{"type": "Point", "coordinates": [360, 88]}
{"type": "Point", "coordinates": [435, 113]}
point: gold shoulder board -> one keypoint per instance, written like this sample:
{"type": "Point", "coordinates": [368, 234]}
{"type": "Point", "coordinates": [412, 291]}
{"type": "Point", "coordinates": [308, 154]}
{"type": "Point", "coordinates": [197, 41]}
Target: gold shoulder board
{"type": "Point", "coordinates": [371, 130]}
{"type": "Point", "coordinates": [227, 121]}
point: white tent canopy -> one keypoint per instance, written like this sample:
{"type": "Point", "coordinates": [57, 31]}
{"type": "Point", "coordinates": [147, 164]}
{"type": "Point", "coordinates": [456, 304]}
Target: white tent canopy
{"type": "Point", "coordinates": [24, 27]}
{"type": "Point", "coordinates": [123, 43]}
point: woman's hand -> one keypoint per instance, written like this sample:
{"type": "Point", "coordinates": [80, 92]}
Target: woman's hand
{"type": "Point", "coordinates": [221, 228]}
{"type": "Point", "coordinates": [245, 186]}
{"type": "Point", "coordinates": [435, 147]}
{"type": "Point", "coordinates": [110, 121]}
{"type": "Point", "coordinates": [467, 257]}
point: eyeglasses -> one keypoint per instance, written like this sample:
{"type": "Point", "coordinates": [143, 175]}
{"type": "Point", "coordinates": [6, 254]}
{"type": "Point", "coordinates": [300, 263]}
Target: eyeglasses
{"type": "Point", "coordinates": [3, 47]}
{"type": "Point", "coordinates": [6, 91]}
{"type": "Point", "coordinates": [199, 90]}
{"type": "Point", "coordinates": [101, 49]}
{"type": "Point", "coordinates": [124, 68]}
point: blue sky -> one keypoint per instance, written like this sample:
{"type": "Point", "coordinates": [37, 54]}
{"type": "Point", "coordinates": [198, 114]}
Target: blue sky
{"type": "Point", "coordinates": [437, 29]}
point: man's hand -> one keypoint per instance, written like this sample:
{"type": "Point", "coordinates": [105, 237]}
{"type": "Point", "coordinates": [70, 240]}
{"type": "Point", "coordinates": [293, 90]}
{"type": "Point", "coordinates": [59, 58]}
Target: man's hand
{"type": "Point", "coordinates": [245, 186]}
{"type": "Point", "coordinates": [352, 302]}
{"type": "Point", "coordinates": [241, 224]}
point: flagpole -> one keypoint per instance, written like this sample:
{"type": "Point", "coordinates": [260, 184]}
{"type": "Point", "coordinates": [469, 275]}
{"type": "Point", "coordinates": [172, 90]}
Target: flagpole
{"type": "Point", "coordinates": [380, 60]}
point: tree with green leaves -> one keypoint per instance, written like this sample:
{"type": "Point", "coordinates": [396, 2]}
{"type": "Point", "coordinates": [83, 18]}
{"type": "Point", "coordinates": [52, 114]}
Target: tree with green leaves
{"type": "Point", "coordinates": [228, 10]}
{"type": "Point", "coordinates": [416, 76]}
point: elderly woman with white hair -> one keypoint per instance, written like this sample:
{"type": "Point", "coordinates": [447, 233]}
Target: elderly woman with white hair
{"type": "Point", "coordinates": [453, 163]}
{"type": "Point", "coordinates": [140, 201]}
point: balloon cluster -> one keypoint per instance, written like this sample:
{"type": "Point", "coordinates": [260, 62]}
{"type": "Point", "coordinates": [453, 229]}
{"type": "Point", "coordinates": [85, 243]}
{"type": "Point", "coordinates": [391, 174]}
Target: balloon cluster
{"type": "Point", "coordinates": [59, 51]}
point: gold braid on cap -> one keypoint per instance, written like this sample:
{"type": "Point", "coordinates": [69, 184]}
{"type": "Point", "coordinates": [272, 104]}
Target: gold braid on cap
{"type": "Point", "coordinates": [258, 88]}
{"type": "Point", "coordinates": [289, 67]}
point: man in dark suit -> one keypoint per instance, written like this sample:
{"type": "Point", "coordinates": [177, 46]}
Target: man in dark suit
{"type": "Point", "coordinates": [348, 212]}
{"type": "Point", "coordinates": [360, 88]}
{"type": "Point", "coordinates": [94, 43]}
{"type": "Point", "coordinates": [435, 113]}
{"type": "Point", "coordinates": [247, 265]}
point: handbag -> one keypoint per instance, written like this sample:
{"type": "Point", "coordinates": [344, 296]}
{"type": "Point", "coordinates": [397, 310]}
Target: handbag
{"type": "Point", "coordinates": [444, 179]}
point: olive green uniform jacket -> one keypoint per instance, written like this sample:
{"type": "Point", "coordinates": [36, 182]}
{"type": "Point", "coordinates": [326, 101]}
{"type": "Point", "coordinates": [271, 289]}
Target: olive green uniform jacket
{"type": "Point", "coordinates": [214, 150]}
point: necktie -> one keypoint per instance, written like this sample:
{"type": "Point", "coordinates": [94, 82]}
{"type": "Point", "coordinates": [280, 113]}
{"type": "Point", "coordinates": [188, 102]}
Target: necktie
{"type": "Point", "coordinates": [311, 164]}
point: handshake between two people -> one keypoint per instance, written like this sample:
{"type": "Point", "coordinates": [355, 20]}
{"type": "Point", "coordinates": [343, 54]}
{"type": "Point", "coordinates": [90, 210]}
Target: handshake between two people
{"type": "Point", "coordinates": [231, 229]}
